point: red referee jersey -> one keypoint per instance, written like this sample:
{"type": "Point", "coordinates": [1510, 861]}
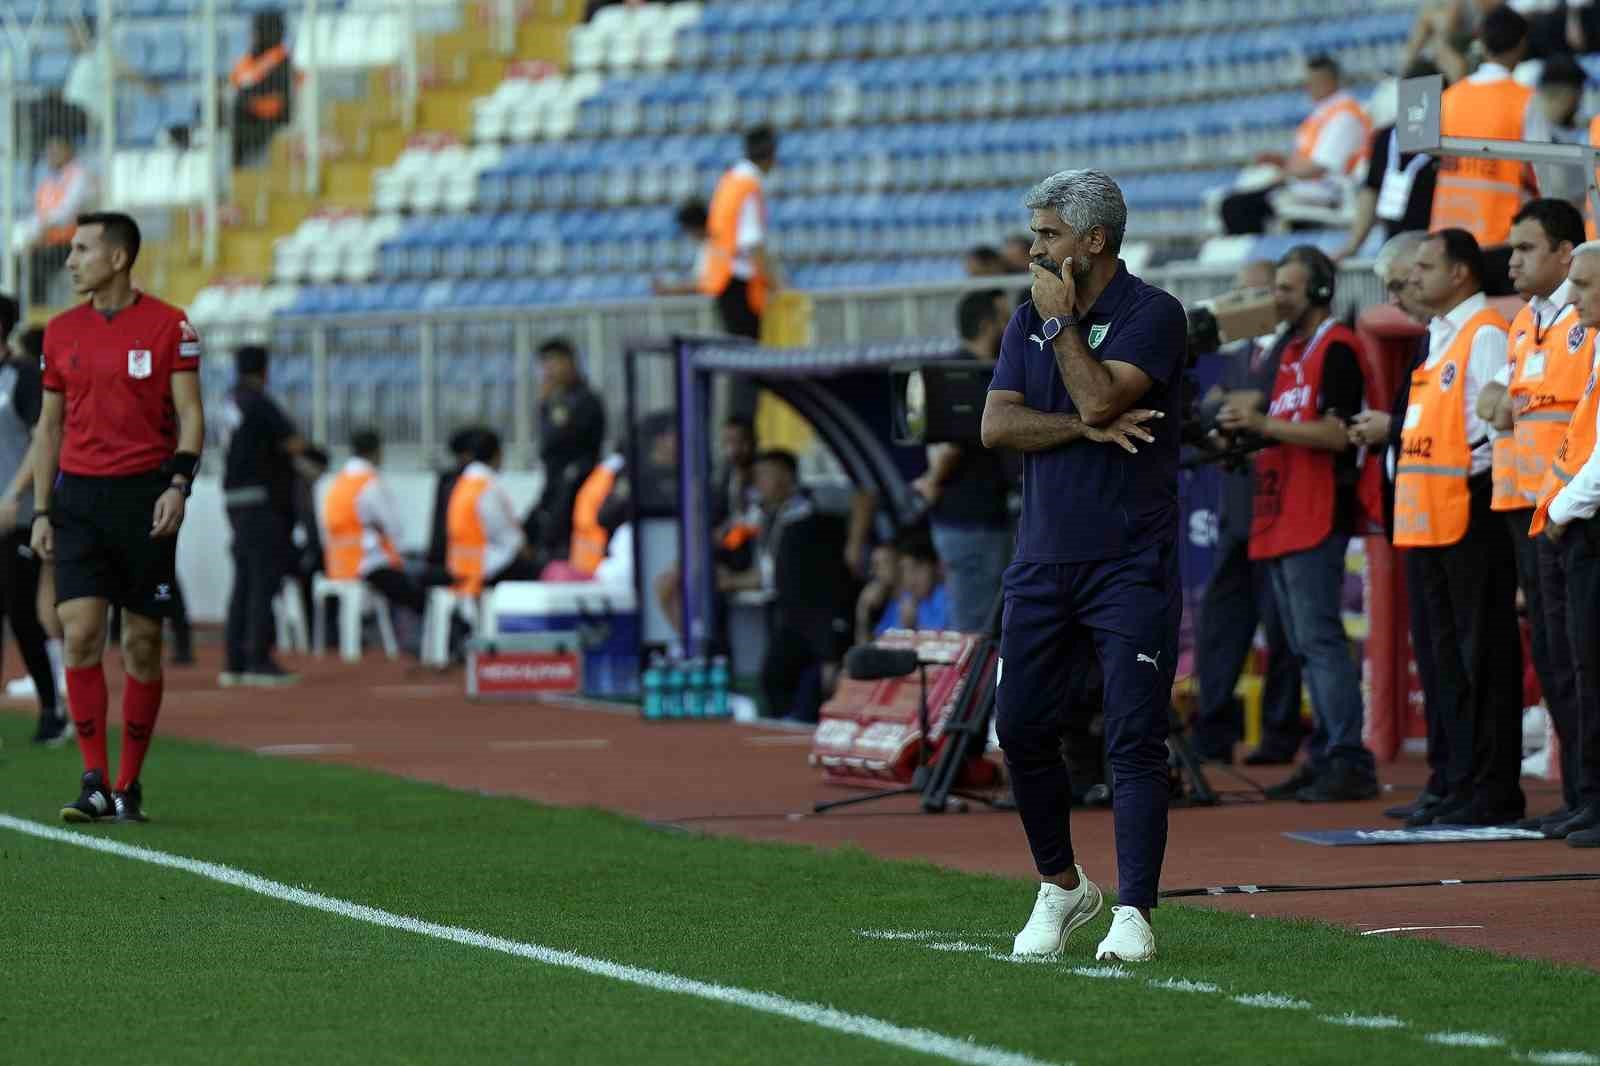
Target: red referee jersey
{"type": "Point", "coordinates": [116, 379]}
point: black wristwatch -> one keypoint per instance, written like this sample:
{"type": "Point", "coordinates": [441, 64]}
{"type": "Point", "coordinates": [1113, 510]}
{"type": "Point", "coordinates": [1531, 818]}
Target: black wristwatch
{"type": "Point", "coordinates": [187, 488]}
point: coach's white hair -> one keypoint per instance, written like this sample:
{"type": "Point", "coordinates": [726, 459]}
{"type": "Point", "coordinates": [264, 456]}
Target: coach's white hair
{"type": "Point", "coordinates": [1400, 244]}
{"type": "Point", "coordinates": [1586, 248]}
{"type": "Point", "coordinates": [1084, 199]}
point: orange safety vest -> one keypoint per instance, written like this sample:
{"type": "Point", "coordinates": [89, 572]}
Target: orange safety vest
{"type": "Point", "coordinates": [1432, 502]}
{"type": "Point", "coordinates": [722, 236]}
{"type": "Point", "coordinates": [344, 546]}
{"type": "Point", "coordinates": [1548, 372]}
{"type": "Point", "coordinates": [51, 194]}
{"type": "Point", "coordinates": [251, 71]}
{"type": "Point", "coordinates": [589, 537]}
{"type": "Point", "coordinates": [1305, 137]}
{"type": "Point", "coordinates": [1481, 196]}
{"type": "Point", "coordinates": [1573, 451]}
{"type": "Point", "coordinates": [465, 539]}
{"type": "Point", "coordinates": [1588, 204]}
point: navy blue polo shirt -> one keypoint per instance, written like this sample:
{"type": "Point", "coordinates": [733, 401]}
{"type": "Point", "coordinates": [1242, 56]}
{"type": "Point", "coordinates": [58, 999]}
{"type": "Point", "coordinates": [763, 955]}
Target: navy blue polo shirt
{"type": "Point", "coordinates": [1087, 501]}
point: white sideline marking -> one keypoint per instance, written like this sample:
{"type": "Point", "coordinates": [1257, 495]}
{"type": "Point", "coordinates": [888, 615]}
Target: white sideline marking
{"type": "Point", "coordinates": [1113, 972]}
{"type": "Point", "coordinates": [1357, 1021]}
{"type": "Point", "coordinates": [305, 749]}
{"type": "Point", "coordinates": [1563, 1058]}
{"type": "Point", "coordinates": [957, 945]}
{"type": "Point", "coordinates": [900, 934]}
{"type": "Point", "coordinates": [1178, 984]}
{"type": "Point", "coordinates": [1272, 1001]}
{"type": "Point", "coordinates": [923, 1041]}
{"type": "Point", "coordinates": [572, 744]}
{"type": "Point", "coordinates": [1024, 960]}
{"type": "Point", "coordinates": [1466, 1039]}
{"type": "Point", "coordinates": [1415, 929]}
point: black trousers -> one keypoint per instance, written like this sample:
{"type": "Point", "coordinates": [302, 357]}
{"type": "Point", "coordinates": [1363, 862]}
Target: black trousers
{"type": "Point", "coordinates": [518, 569]}
{"type": "Point", "coordinates": [1544, 591]}
{"type": "Point", "coordinates": [798, 643]}
{"type": "Point", "coordinates": [1428, 677]}
{"type": "Point", "coordinates": [1470, 593]}
{"type": "Point", "coordinates": [733, 305]}
{"type": "Point", "coordinates": [1237, 599]}
{"type": "Point", "coordinates": [19, 602]}
{"type": "Point", "coordinates": [1246, 212]}
{"type": "Point", "coordinates": [1581, 556]}
{"type": "Point", "coordinates": [399, 588]}
{"type": "Point", "coordinates": [261, 560]}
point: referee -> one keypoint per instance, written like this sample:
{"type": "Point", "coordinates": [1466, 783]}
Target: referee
{"type": "Point", "coordinates": [1094, 355]}
{"type": "Point", "coordinates": [119, 442]}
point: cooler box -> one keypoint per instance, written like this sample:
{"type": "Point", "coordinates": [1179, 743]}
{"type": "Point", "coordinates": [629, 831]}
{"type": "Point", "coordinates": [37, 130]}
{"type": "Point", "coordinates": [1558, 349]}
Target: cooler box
{"type": "Point", "coordinates": [604, 618]}
{"type": "Point", "coordinates": [524, 665]}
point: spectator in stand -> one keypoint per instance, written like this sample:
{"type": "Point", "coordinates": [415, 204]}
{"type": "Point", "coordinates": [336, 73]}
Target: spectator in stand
{"type": "Point", "coordinates": [1482, 195]}
{"type": "Point", "coordinates": [361, 520]}
{"type": "Point", "coordinates": [1397, 193]}
{"type": "Point", "coordinates": [967, 487]}
{"type": "Point", "coordinates": [85, 89]}
{"type": "Point", "coordinates": [21, 394]}
{"type": "Point", "coordinates": [572, 430]}
{"type": "Point", "coordinates": [460, 445]}
{"type": "Point", "coordinates": [692, 223]}
{"type": "Point", "coordinates": [1018, 253]}
{"type": "Point", "coordinates": [265, 454]}
{"type": "Point", "coordinates": [739, 273]}
{"type": "Point", "coordinates": [985, 261]}
{"type": "Point", "coordinates": [801, 565]}
{"type": "Point", "coordinates": [66, 190]}
{"type": "Point", "coordinates": [921, 600]}
{"type": "Point", "coordinates": [1554, 117]}
{"type": "Point", "coordinates": [263, 86]}
{"type": "Point", "coordinates": [486, 543]}
{"type": "Point", "coordinates": [1239, 594]}
{"type": "Point", "coordinates": [1330, 143]}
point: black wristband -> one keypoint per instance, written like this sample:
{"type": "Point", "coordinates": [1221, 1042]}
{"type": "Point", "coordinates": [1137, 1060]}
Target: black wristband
{"type": "Point", "coordinates": [183, 464]}
{"type": "Point", "coordinates": [38, 515]}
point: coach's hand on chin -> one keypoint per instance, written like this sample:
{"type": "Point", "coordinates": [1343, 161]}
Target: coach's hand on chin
{"type": "Point", "coordinates": [169, 513]}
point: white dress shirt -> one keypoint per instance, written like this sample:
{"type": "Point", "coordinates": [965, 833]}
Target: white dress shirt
{"type": "Point", "coordinates": [501, 529]}
{"type": "Point", "coordinates": [1580, 497]}
{"type": "Point", "coordinates": [1545, 312]}
{"type": "Point", "coordinates": [1487, 357]}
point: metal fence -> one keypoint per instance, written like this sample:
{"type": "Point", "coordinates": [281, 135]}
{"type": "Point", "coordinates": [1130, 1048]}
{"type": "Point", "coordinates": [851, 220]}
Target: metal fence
{"type": "Point", "coordinates": [417, 377]}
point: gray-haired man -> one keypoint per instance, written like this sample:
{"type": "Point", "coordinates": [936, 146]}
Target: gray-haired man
{"type": "Point", "coordinates": [1092, 357]}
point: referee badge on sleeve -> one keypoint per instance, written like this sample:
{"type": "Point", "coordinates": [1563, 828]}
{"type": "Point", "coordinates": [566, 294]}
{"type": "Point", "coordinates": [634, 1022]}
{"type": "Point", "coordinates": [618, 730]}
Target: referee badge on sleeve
{"type": "Point", "coordinates": [139, 363]}
{"type": "Point", "coordinates": [188, 341]}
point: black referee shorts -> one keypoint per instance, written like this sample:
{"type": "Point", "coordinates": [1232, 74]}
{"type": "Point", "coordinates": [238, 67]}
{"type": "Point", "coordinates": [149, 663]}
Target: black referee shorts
{"type": "Point", "coordinates": [103, 547]}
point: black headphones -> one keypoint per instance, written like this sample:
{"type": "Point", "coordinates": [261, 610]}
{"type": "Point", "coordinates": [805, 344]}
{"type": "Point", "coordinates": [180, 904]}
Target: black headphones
{"type": "Point", "coordinates": [1320, 285]}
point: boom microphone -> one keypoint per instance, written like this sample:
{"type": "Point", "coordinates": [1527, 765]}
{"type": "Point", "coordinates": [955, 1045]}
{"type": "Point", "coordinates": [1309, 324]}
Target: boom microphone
{"type": "Point", "coordinates": [868, 663]}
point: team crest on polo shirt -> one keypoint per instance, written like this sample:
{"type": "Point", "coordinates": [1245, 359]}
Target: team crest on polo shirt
{"type": "Point", "coordinates": [1098, 334]}
{"type": "Point", "coordinates": [139, 363]}
{"type": "Point", "coordinates": [188, 341]}
{"type": "Point", "coordinates": [1574, 339]}
{"type": "Point", "coordinates": [1447, 378]}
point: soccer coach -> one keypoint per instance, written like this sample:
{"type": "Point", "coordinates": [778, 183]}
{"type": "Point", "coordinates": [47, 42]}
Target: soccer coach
{"type": "Point", "coordinates": [122, 424]}
{"type": "Point", "coordinates": [1096, 566]}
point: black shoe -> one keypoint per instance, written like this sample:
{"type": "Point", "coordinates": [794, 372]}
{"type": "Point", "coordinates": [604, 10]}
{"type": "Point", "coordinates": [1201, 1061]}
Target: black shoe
{"type": "Point", "coordinates": [1264, 756]}
{"type": "Point", "coordinates": [268, 675]}
{"type": "Point", "coordinates": [54, 730]}
{"type": "Point", "coordinates": [1489, 816]}
{"type": "Point", "coordinates": [1339, 785]}
{"type": "Point", "coordinates": [1430, 815]}
{"type": "Point", "coordinates": [94, 803]}
{"type": "Point", "coordinates": [1406, 810]}
{"type": "Point", "coordinates": [1585, 817]}
{"type": "Point", "coordinates": [1584, 838]}
{"type": "Point", "coordinates": [1304, 777]}
{"type": "Point", "coordinates": [1539, 821]}
{"type": "Point", "coordinates": [130, 804]}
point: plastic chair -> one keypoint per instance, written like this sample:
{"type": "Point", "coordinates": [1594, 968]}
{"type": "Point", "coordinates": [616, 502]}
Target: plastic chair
{"type": "Point", "coordinates": [443, 605]}
{"type": "Point", "coordinates": [289, 617]}
{"type": "Point", "coordinates": [355, 600]}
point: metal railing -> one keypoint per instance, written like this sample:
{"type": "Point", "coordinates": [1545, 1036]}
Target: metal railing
{"type": "Point", "coordinates": [418, 377]}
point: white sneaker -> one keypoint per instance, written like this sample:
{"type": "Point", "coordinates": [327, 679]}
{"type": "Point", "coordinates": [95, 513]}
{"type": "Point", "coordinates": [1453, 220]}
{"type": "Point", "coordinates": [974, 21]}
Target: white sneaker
{"type": "Point", "coordinates": [1056, 913]}
{"type": "Point", "coordinates": [1130, 938]}
{"type": "Point", "coordinates": [21, 688]}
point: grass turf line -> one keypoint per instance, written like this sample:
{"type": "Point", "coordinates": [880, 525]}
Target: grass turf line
{"type": "Point", "coordinates": [217, 968]}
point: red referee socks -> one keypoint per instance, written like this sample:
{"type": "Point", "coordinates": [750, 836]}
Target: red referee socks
{"type": "Point", "coordinates": [86, 695]}
{"type": "Point", "coordinates": [141, 702]}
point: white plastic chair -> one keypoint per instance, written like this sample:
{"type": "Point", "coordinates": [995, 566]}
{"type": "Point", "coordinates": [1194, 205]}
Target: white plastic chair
{"type": "Point", "coordinates": [355, 600]}
{"type": "Point", "coordinates": [443, 605]}
{"type": "Point", "coordinates": [289, 615]}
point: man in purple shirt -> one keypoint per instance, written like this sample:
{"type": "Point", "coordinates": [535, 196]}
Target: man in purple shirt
{"type": "Point", "coordinates": [1095, 358]}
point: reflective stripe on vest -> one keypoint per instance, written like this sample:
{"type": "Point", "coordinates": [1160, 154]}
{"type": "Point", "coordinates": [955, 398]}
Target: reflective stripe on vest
{"type": "Point", "coordinates": [345, 539]}
{"type": "Point", "coordinates": [1341, 103]}
{"type": "Point", "coordinates": [251, 71]}
{"type": "Point", "coordinates": [1549, 368]}
{"type": "Point", "coordinates": [722, 236]}
{"type": "Point", "coordinates": [1481, 196]}
{"type": "Point", "coordinates": [1573, 452]}
{"type": "Point", "coordinates": [465, 538]}
{"type": "Point", "coordinates": [1432, 502]}
{"type": "Point", "coordinates": [1506, 497]}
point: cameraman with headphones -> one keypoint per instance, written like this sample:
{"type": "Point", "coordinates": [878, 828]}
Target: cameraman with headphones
{"type": "Point", "coordinates": [1305, 510]}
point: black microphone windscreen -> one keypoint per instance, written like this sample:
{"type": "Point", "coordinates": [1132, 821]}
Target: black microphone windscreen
{"type": "Point", "coordinates": [868, 663]}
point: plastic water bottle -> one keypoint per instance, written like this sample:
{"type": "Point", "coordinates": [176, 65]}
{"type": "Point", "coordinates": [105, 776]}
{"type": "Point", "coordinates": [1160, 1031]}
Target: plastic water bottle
{"type": "Point", "coordinates": [718, 682]}
{"type": "Point", "coordinates": [652, 685]}
{"type": "Point", "coordinates": [672, 704]}
{"type": "Point", "coordinates": [695, 695]}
